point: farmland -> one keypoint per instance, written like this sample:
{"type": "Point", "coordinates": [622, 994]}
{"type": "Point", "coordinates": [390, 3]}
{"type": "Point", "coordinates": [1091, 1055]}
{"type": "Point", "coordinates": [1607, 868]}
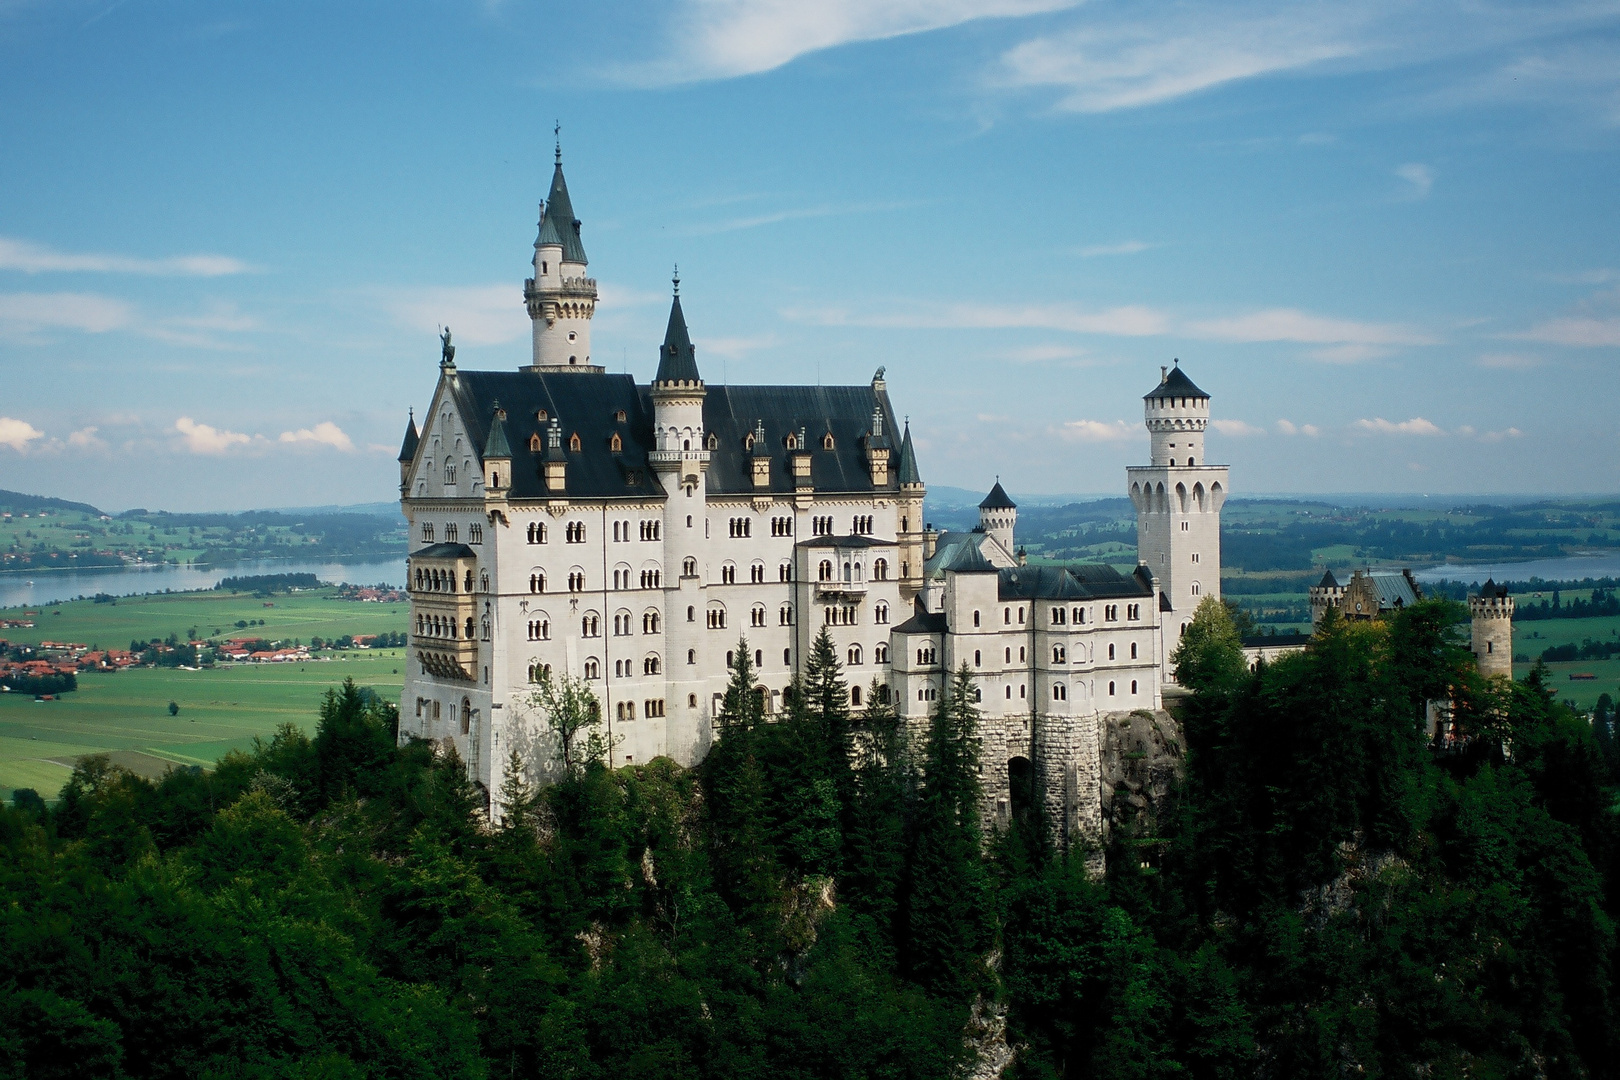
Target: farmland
{"type": "Point", "coordinates": [127, 713]}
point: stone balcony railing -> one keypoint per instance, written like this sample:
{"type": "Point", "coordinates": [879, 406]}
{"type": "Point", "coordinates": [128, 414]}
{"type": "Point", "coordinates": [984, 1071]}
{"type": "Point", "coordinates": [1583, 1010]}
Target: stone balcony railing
{"type": "Point", "coordinates": [840, 588]}
{"type": "Point", "coordinates": [577, 287]}
{"type": "Point", "coordinates": [671, 458]}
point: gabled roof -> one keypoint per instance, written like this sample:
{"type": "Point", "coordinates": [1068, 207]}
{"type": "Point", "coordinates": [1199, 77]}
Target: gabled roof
{"type": "Point", "coordinates": [907, 469]}
{"type": "Point", "coordinates": [1328, 581]}
{"type": "Point", "coordinates": [407, 449]}
{"type": "Point", "coordinates": [997, 499]}
{"type": "Point", "coordinates": [677, 359]}
{"type": "Point", "coordinates": [1396, 588]}
{"type": "Point", "coordinates": [1175, 384]}
{"type": "Point", "coordinates": [732, 413]}
{"type": "Point", "coordinates": [968, 559]}
{"type": "Point", "coordinates": [923, 621]}
{"type": "Point", "coordinates": [558, 225]}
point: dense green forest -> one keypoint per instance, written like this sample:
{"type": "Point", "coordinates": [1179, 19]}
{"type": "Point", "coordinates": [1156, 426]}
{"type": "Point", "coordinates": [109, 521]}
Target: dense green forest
{"type": "Point", "coordinates": [1325, 895]}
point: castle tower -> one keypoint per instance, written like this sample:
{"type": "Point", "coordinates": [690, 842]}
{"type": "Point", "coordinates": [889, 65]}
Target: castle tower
{"type": "Point", "coordinates": [998, 514]}
{"type": "Point", "coordinates": [1324, 594]}
{"type": "Point", "coordinates": [912, 551]}
{"type": "Point", "coordinates": [1492, 629]}
{"type": "Point", "coordinates": [681, 459]}
{"type": "Point", "coordinates": [561, 299]}
{"type": "Point", "coordinates": [1178, 501]}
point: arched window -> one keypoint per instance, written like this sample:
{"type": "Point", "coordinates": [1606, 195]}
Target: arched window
{"type": "Point", "coordinates": [1060, 655]}
{"type": "Point", "coordinates": [880, 569]}
{"type": "Point", "coordinates": [827, 444]}
{"type": "Point", "coordinates": [649, 666]}
{"type": "Point", "coordinates": [593, 669]}
{"type": "Point", "coordinates": [880, 613]}
{"type": "Point", "coordinates": [854, 655]}
{"type": "Point", "coordinates": [650, 622]}
{"type": "Point", "coordinates": [1110, 652]}
{"type": "Point", "coordinates": [1110, 689]}
{"type": "Point", "coordinates": [1133, 687]}
{"type": "Point", "coordinates": [689, 567]}
{"type": "Point", "coordinates": [590, 625]}
{"type": "Point", "coordinates": [975, 618]}
{"type": "Point", "coordinates": [616, 444]}
{"type": "Point", "coordinates": [469, 628]}
{"type": "Point", "coordinates": [824, 572]}
{"type": "Point", "coordinates": [466, 716]}
{"type": "Point", "coordinates": [1059, 692]}
{"type": "Point", "coordinates": [977, 658]}
{"type": "Point", "coordinates": [880, 653]}
{"type": "Point", "coordinates": [1133, 650]}
{"type": "Point", "coordinates": [1195, 588]}
{"type": "Point", "coordinates": [574, 442]}
{"type": "Point", "coordinates": [537, 581]}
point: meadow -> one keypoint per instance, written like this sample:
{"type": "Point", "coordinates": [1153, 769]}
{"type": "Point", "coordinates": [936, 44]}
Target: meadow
{"type": "Point", "coordinates": [126, 714]}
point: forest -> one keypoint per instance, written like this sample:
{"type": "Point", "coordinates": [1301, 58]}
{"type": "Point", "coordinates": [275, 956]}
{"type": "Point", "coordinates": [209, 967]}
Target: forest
{"type": "Point", "coordinates": [1324, 894]}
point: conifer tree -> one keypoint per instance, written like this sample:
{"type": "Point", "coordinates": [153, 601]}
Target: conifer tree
{"type": "Point", "coordinates": [947, 911]}
{"type": "Point", "coordinates": [874, 857]}
{"type": "Point", "coordinates": [745, 858]}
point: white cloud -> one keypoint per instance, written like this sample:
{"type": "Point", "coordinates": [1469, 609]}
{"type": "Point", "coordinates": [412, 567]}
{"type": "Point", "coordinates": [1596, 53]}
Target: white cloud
{"type": "Point", "coordinates": [1498, 436]}
{"type": "Point", "coordinates": [1415, 426]}
{"type": "Point", "coordinates": [17, 434]}
{"type": "Point", "coordinates": [1421, 177]}
{"type": "Point", "coordinates": [1288, 427]}
{"type": "Point", "coordinates": [86, 439]}
{"type": "Point", "coordinates": [476, 314]}
{"type": "Point", "coordinates": [38, 259]}
{"type": "Point", "coordinates": [28, 313]}
{"type": "Point", "coordinates": [1129, 247]}
{"type": "Point", "coordinates": [734, 348]}
{"type": "Point", "coordinates": [774, 217]}
{"type": "Point", "coordinates": [1096, 431]}
{"type": "Point", "coordinates": [1127, 321]}
{"type": "Point", "coordinates": [324, 433]}
{"type": "Point", "coordinates": [203, 439]}
{"type": "Point", "coordinates": [1236, 428]}
{"type": "Point", "coordinates": [717, 39]}
{"type": "Point", "coordinates": [1352, 340]}
{"type": "Point", "coordinates": [1040, 354]}
{"type": "Point", "coordinates": [1577, 330]}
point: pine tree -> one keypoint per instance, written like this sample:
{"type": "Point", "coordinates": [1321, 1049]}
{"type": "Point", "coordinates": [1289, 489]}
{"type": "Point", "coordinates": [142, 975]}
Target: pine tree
{"type": "Point", "coordinates": [874, 856]}
{"type": "Point", "coordinates": [736, 792]}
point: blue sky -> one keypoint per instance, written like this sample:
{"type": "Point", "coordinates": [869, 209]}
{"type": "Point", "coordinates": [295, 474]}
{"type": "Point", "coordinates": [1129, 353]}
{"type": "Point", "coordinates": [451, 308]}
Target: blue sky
{"type": "Point", "coordinates": [1382, 235]}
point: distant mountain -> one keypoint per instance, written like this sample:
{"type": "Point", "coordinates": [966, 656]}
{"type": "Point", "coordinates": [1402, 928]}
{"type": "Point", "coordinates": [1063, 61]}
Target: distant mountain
{"type": "Point", "coordinates": [17, 501]}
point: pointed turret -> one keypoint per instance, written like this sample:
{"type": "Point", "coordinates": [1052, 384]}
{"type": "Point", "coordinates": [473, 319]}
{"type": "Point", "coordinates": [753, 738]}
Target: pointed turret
{"type": "Point", "coordinates": [998, 499]}
{"type": "Point", "coordinates": [907, 471]}
{"type": "Point", "coordinates": [998, 516]}
{"type": "Point", "coordinates": [561, 299]}
{"type": "Point", "coordinates": [496, 445]}
{"type": "Point", "coordinates": [497, 456]}
{"type": "Point", "coordinates": [677, 360]}
{"type": "Point", "coordinates": [407, 449]}
{"type": "Point", "coordinates": [558, 225]}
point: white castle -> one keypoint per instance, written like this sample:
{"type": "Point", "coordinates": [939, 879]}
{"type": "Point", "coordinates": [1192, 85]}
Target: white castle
{"type": "Point", "coordinates": [569, 520]}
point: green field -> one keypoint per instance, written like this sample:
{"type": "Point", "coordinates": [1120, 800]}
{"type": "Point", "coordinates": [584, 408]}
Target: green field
{"type": "Point", "coordinates": [126, 714]}
{"type": "Point", "coordinates": [287, 616]}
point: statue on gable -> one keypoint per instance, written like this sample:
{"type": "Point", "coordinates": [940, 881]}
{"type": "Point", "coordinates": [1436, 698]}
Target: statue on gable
{"type": "Point", "coordinates": [449, 349]}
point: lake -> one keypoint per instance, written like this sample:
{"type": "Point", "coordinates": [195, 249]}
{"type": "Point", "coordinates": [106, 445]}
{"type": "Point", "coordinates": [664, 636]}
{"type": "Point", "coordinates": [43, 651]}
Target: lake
{"type": "Point", "coordinates": [1565, 568]}
{"type": "Point", "coordinates": [18, 590]}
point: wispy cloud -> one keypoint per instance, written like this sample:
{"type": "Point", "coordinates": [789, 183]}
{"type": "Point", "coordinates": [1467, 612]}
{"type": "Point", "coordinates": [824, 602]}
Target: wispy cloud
{"type": "Point", "coordinates": [1096, 431]}
{"type": "Point", "coordinates": [86, 438]}
{"type": "Point", "coordinates": [38, 259]}
{"type": "Point", "coordinates": [735, 348]}
{"type": "Point", "coordinates": [1127, 321]}
{"type": "Point", "coordinates": [30, 313]}
{"type": "Point", "coordinates": [476, 314]}
{"type": "Point", "coordinates": [1421, 177]}
{"type": "Point", "coordinates": [324, 433]}
{"type": "Point", "coordinates": [1236, 428]}
{"type": "Point", "coordinates": [775, 217]}
{"type": "Point", "coordinates": [17, 434]}
{"type": "Point", "coordinates": [1578, 330]}
{"type": "Point", "coordinates": [1342, 340]}
{"type": "Point", "coordinates": [205, 439]}
{"type": "Point", "coordinates": [717, 39]}
{"type": "Point", "coordinates": [1509, 361]}
{"type": "Point", "coordinates": [1288, 427]}
{"type": "Point", "coordinates": [1128, 247]}
{"type": "Point", "coordinates": [1415, 426]}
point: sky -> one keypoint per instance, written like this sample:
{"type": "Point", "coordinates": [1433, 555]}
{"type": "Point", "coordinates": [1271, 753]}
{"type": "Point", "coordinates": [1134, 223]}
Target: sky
{"type": "Point", "coordinates": [1383, 236]}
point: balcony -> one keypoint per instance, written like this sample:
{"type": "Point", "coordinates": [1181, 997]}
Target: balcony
{"type": "Point", "coordinates": [840, 588]}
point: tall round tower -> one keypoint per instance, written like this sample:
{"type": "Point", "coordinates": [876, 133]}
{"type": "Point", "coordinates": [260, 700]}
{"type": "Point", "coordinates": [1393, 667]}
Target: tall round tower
{"type": "Point", "coordinates": [560, 297]}
{"type": "Point", "coordinates": [1492, 625]}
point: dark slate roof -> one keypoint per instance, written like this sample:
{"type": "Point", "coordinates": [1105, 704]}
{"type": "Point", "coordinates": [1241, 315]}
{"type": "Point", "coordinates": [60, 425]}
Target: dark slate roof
{"type": "Point", "coordinates": [851, 541]}
{"type": "Point", "coordinates": [1328, 581]}
{"type": "Point", "coordinates": [496, 445]}
{"type": "Point", "coordinates": [1078, 581]}
{"type": "Point", "coordinates": [1396, 588]}
{"type": "Point", "coordinates": [1164, 602]}
{"type": "Point", "coordinates": [559, 216]}
{"type": "Point", "coordinates": [923, 621]}
{"type": "Point", "coordinates": [732, 412]}
{"type": "Point", "coordinates": [587, 405]}
{"type": "Point", "coordinates": [407, 449]}
{"type": "Point", "coordinates": [443, 551]}
{"type": "Point", "coordinates": [1175, 384]}
{"type": "Point", "coordinates": [1257, 641]}
{"type": "Point", "coordinates": [997, 499]}
{"type": "Point", "coordinates": [907, 469]}
{"type": "Point", "coordinates": [969, 559]}
{"type": "Point", "coordinates": [677, 360]}
{"type": "Point", "coordinates": [1491, 588]}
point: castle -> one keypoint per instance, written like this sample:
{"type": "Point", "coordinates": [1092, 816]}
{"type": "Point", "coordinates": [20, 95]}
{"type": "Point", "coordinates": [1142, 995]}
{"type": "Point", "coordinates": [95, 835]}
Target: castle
{"type": "Point", "coordinates": [569, 520]}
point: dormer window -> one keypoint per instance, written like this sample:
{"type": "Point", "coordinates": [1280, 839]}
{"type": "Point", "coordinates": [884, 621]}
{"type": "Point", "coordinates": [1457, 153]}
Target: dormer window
{"type": "Point", "coordinates": [534, 443]}
{"type": "Point", "coordinates": [541, 416]}
{"type": "Point", "coordinates": [748, 441]}
{"type": "Point", "coordinates": [792, 442]}
{"type": "Point", "coordinates": [574, 443]}
{"type": "Point", "coordinates": [827, 441]}
{"type": "Point", "coordinates": [618, 417]}
{"type": "Point", "coordinates": [714, 441]}
{"type": "Point", "coordinates": [616, 444]}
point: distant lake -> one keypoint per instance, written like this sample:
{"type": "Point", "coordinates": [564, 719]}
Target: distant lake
{"type": "Point", "coordinates": [1565, 568]}
{"type": "Point", "coordinates": [19, 590]}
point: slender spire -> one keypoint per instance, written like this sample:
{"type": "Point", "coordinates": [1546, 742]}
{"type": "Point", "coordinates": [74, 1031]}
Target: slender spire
{"type": "Point", "coordinates": [407, 449]}
{"type": "Point", "coordinates": [677, 360]}
{"type": "Point", "coordinates": [558, 225]}
{"type": "Point", "coordinates": [906, 472]}
{"type": "Point", "coordinates": [496, 445]}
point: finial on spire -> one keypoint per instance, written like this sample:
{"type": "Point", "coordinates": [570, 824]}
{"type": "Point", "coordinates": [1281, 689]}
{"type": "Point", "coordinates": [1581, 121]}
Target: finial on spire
{"type": "Point", "coordinates": [676, 280]}
{"type": "Point", "coordinates": [556, 133]}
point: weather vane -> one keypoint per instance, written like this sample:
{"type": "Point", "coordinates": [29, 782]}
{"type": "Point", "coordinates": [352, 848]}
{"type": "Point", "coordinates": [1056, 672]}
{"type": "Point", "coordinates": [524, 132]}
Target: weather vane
{"type": "Point", "coordinates": [676, 280]}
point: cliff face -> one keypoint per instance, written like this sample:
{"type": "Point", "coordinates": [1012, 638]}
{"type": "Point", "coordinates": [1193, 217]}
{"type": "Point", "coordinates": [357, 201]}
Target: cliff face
{"type": "Point", "coordinates": [1142, 755]}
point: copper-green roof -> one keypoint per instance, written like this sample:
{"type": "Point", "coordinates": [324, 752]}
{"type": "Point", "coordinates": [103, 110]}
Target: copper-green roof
{"type": "Point", "coordinates": [906, 472]}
